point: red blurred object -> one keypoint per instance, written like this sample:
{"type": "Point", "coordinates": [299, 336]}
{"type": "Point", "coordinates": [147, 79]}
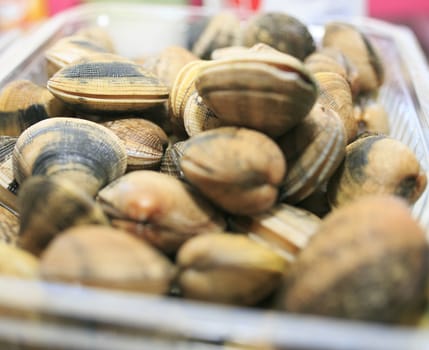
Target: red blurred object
{"type": "Point", "coordinates": [246, 4]}
{"type": "Point", "coordinates": [55, 6]}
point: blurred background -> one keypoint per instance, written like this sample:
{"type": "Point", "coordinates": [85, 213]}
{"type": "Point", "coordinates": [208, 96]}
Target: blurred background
{"type": "Point", "coordinates": [17, 14]}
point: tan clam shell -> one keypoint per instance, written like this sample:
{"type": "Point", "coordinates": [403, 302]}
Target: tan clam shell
{"type": "Point", "coordinates": [23, 103]}
{"type": "Point", "coordinates": [48, 206]}
{"type": "Point", "coordinates": [98, 34]}
{"type": "Point", "coordinates": [228, 268]}
{"type": "Point", "coordinates": [238, 169]}
{"type": "Point", "coordinates": [313, 149]}
{"type": "Point", "coordinates": [377, 164]}
{"type": "Point", "coordinates": [158, 208]}
{"type": "Point", "coordinates": [167, 64]}
{"type": "Point", "coordinates": [222, 30]}
{"type": "Point", "coordinates": [371, 117]}
{"type": "Point", "coordinates": [106, 257]}
{"type": "Point", "coordinates": [170, 163]}
{"type": "Point", "coordinates": [9, 226]}
{"type": "Point", "coordinates": [283, 228]}
{"type": "Point", "coordinates": [335, 94]}
{"type": "Point", "coordinates": [269, 92]}
{"type": "Point", "coordinates": [69, 49]}
{"type": "Point", "coordinates": [82, 151]}
{"type": "Point", "coordinates": [358, 49]}
{"type": "Point", "coordinates": [197, 117]}
{"type": "Point", "coordinates": [107, 83]}
{"type": "Point", "coordinates": [182, 89]}
{"type": "Point", "coordinates": [15, 262]}
{"type": "Point", "coordinates": [144, 142]}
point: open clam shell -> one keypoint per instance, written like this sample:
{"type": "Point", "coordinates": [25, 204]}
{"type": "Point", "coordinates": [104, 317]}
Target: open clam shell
{"type": "Point", "coordinates": [269, 92]}
{"type": "Point", "coordinates": [107, 83]}
{"type": "Point", "coordinates": [82, 151]}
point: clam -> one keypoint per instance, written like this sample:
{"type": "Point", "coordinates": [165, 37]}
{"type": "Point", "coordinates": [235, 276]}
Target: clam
{"type": "Point", "coordinates": [281, 31]}
{"type": "Point", "coordinates": [167, 63]}
{"type": "Point", "coordinates": [105, 257]}
{"type": "Point", "coordinates": [181, 91]}
{"type": "Point", "coordinates": [23, 103]}
{"type": "Point", "coordinates": [106, 83]}
{"type": "Point", "coordinates": [69, 49]}
{"type": "Point", "coordinates": [9, 225]}
{"type": "Point", "coordinates": [49, 205]}
{"type": "Point", "coordinates": [266, 91]}
{"type": "Point", "coordinates": [82, 151]}
{"type": "Point", "coordinates": [99, 35]}
{"type": "Point", "coordinates": [7, 144]}
{"type": "Point", "coordinates": [144, 142]}
{"type": "Point", "coordinates": [239, 169]}
{"type": "Point", "coordinates": [356, 46]}
{"type": "Point", "coordinates": [228, 268]}
{"type": "Point", "coordinates": [368, 260]}
{"type": "Point", "coordinates": [15, 262]}
{"type": "Point", "coordinates": [313, 150]}
{"type": "Point", "coordinates": [284, 229]}
{"type": "Point", "coordinates": [158, 208]}
{"type": "Point", "coordinates": [170, 163]}
{"type": "Point", "coordinates": [377, 164]}
{"type": "Point", "coordinates": [371, 117]}
{"type": "Point", "coordinates": [335, 93]}
{"type": "Point", "coordinates": [222, 30]}
{"type": "Point", "coordinates": [197, 117]}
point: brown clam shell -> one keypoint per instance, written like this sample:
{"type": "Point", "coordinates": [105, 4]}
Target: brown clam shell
{"type": "Point", "coordinates": [105, 257]}
{"type": "Point", "coordinates": [158, 208]}
{"type": "Point", "coordinates": [377, 164]}
{"type": "Point", "coordinates": [368, 261]}
{"type": "Point", "coordinates": [269, 92]}
{"type": "Point", "coordinates": [144, 142]}
{"type": "Point", "coordinates": [228, 268]}
{"type": "Point", "coordinates": [239, 169]}
{"type": "Point", "coordinates": [281, 31]}
{"type": "Point", "coordinates": [107, 83]}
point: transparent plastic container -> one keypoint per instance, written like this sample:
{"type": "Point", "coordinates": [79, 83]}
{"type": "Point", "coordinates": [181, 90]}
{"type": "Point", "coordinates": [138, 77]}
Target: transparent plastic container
{"type": "Point", "coordinates": [35, 314]}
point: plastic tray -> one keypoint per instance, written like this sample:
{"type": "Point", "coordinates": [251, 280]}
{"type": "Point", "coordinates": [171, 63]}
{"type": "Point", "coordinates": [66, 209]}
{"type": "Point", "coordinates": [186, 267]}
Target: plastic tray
{"type": "Point", "coordinates": [60, 316]}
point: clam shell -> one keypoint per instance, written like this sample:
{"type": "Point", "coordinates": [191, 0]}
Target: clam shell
{"type": "Point", "coordinates": [158, 208]}
{"type": "Point", "coordinates": [107, 83]}
{"type": "Point", "coordinates": [238, 169]}
{"type": "Point", "coordinates": [99, 35]}
{"type": "Point", "coordinates": [222, 30]}
{"type": "Point", "coordinates": [335, 94]}
{"type": "Point", "coordinates": [9, 226]}
{"type": "Point", "coordinates": [49, 205]}
{"type": "Point", "coordinates": [70, 49]}
{"type": "Point", "coordinates": [313, 150]}
{"type": "Point", "coordinates": [144, 142]}
{"type": "Point", "coordinates": [283, 228]}
{"type": "Point", "coordinates": [228, 268]}
{"type": "Point", "coordinates": [377, 164]}
{"type": "Point", "coordinates": [269, 92]}
{"type": "Point", "coordinates": [23, 103]}
{"type": "Point", "coordinates": [197, 117]}
{"type": "Point", "coordinates": [280, 31]}
{"type": "Point", "coordinates": [170, 163]}
{"type": "Point", "coordinates": [105, 257]}
{"type": "Point", "coordinates": [167, 64]}
{"type": "Point", "coordinates": [82, 151]}
{"type": "Point", "coordinates": [356, 46]}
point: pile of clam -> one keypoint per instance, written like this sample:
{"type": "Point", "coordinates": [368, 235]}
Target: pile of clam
{"type": "Point", "coordinates": [255, 167]}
